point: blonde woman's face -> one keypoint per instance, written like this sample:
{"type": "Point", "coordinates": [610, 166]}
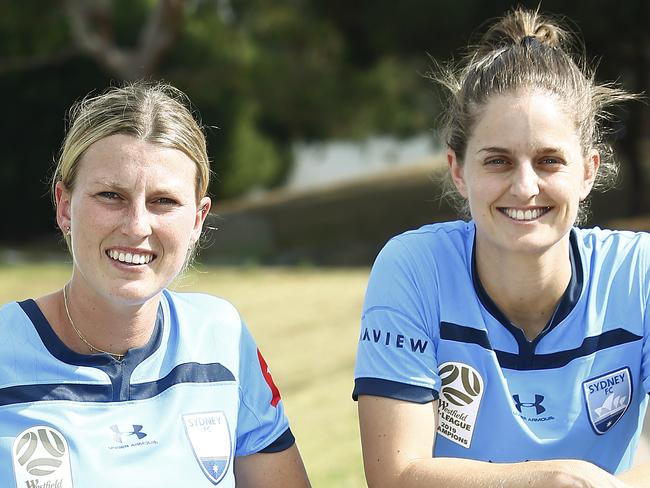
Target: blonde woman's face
{"type": "Point", "coordinates": [133, 216]}
{"type": "Point", "coordinates": [524, 173]}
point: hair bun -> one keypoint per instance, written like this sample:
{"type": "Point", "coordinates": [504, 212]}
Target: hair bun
{"type": "Point", "coordinates": [521, 26]}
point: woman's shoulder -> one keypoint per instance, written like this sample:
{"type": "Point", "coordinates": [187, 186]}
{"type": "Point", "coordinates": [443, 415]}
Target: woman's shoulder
{"type": "Point", "coordinates": [615, 249]}
{"type": "Point", "coordinates": [433, 240]}
{"type": "Point", "coordinates": [609, 240]}
{"type": "Point", "coordinates": [9, 310]}
{"type": "Point", "coordinates": [201, 306]}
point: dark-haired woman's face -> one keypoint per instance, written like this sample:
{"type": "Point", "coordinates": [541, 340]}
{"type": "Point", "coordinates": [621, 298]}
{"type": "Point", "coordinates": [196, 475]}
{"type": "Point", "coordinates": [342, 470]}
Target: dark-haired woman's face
{"type": "Point", "coordinates": [524, 173]}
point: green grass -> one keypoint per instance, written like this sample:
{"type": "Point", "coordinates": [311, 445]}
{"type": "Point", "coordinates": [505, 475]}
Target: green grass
{"type": "Point", "coordinates": [305, 321]}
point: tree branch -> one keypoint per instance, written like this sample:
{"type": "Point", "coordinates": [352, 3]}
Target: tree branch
{"type": "Point", "coordinates": [91, 24]}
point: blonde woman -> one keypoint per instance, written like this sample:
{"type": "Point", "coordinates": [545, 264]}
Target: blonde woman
{"type": "Point", "coordinates": [115, 380]}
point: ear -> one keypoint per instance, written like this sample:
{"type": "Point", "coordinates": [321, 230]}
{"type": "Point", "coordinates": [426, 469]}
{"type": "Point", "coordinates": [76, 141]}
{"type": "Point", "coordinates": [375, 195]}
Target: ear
{"type": "Point", "coordinates": [62, 198]}
{"type": "Point", "coordinates": [201, 214]}
{"type": "Point", "coordinates": [457, 173]}
{"type": "Point", "coordinates": [591, 170]}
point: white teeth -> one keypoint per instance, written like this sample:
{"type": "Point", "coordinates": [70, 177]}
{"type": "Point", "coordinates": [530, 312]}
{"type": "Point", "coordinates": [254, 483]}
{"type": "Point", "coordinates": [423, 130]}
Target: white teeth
{"type": "Point", "coordinates": [525, 215]}
{"type": "Point", "coordinates": [130, 257]}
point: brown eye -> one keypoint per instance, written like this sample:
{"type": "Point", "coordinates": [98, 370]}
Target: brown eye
{"type": "Point", "coordinates": [166, 201]}
{"type": "Point", "coordinates": [496, 162]}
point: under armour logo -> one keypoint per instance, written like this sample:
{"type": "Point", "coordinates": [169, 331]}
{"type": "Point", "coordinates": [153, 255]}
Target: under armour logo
{"type": "Point", "coordinates": [117, 433]}
{"type": "Point", "coordinates": [537, 404]}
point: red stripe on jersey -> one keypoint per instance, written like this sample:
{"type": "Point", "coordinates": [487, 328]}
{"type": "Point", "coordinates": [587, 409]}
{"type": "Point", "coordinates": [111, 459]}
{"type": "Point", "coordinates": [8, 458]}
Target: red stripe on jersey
{"type": "Point", "coordinates": [269, 379]}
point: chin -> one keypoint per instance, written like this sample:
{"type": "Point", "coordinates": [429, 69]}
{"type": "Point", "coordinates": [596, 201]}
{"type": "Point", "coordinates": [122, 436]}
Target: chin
{"type": "Point", "coordinates": [135, 295]}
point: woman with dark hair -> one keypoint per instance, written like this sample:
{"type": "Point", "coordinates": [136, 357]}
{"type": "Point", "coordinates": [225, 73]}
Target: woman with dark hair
{"type": "Point", "coordinates": [511, 349]}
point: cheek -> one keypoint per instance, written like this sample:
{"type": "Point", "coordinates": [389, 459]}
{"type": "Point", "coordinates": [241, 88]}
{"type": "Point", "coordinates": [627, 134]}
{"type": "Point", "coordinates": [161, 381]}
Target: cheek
{"type": "Point", "coordinates": [567, 188]}
{"type": "Point", "coordinates": [178, 232]}
{"type": "Point", "coordinates": [483, 191]}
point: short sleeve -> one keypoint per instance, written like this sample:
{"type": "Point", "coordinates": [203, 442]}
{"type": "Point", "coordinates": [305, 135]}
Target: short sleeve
{"type": "Point", "coordinates": [646, 336]}
{"type": "Point", "coordinates": [396, 353]}
{"type": "Point", "coordinates": [262, 425]}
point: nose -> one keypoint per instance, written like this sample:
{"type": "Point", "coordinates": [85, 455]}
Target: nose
{"type": "Point", "coordinates": [137, 220]}
{"type": "Point", "coordinates": [525, 181]}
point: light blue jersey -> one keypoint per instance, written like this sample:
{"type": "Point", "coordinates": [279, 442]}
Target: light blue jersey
{"type": "Point", "coordinates": [173, 413]}
{"type": "Point", "coordinates": [429, 331]}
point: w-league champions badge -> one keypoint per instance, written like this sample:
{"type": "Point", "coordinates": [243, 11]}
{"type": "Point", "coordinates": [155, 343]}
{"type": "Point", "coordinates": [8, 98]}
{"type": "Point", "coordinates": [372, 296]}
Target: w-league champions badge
{"type": "Point", "coordinates": [460, 398]}
{"type": "Point", "coordinates": [209, 436]}
{"type": "Point", "coordinates": [41, 459]}
{"type": "Point", "coordinates": [608, 397]}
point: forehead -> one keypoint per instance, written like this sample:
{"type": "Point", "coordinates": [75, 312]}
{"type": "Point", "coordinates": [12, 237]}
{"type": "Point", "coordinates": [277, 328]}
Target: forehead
{"type": "Point", "coordinates": [128, 161]}
{"type": "Point", "coordinates": [524, 120]}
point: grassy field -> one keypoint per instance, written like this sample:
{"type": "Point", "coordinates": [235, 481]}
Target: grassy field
{"type": "Point", "coordinates": [305, 321]}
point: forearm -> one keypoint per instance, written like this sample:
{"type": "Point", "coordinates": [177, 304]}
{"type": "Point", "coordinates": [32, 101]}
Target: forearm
{"type": "Point", "coordinates": [469, 473]}
{"type": "Point", "coordinates": [466, 473]}
{"type": "Point", "coordinates": [638, 477]}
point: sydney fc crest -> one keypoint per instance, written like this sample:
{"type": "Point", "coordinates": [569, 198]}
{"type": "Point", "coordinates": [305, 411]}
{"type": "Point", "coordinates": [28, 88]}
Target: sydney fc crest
{"type": "Point", "coordinates": [209, 436]}
{"type": "Point", "coordinates": [608, 397]}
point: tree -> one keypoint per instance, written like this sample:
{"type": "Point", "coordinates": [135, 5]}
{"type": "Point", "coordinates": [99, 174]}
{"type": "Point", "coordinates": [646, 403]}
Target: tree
{"type": "Point", "coordinates": [93, 30]}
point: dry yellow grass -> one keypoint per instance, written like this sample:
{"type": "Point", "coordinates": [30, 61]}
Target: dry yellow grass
{"type": "Point", "coordinates": [305, 321]}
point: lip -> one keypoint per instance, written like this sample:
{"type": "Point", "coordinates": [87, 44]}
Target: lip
{"type": "Point", "coordinates": [524, 215]}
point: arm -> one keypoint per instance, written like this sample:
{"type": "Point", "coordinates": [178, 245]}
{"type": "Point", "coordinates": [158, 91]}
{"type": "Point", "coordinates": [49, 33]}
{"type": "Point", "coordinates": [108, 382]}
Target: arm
{"type": "Point", "coordinates": [638, 477]}
{"type": "Point", "coordinates": [397, 441]}
{"type": "Point", "coordinates": [272, 470]}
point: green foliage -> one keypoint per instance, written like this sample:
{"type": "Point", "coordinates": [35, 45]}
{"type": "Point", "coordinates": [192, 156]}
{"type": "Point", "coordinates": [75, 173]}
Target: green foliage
{"type": "Point", "coordinates": [31, 27]}
{"type": "Point", "coordinates": [263, 75]}
{"type": "Point", "coordinates": [252, 159]}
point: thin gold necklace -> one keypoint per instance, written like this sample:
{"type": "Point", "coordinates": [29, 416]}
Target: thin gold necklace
{"type": "Point", "coordinates": [92, 348]}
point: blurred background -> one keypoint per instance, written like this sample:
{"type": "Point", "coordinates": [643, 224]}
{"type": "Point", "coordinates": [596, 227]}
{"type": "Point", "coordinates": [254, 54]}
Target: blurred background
{"type": "Point", "coordinates": [322, 130]}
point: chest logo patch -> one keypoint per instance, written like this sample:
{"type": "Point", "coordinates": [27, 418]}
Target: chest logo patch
{"type": "Point", "coordinates": [209, 436]}
{"type": "Point", "coordinates": [460, 398]}
{"type": "Point", "coordinates": [41, 458]}
{"type": "Point", "coordinates": [608, 397]}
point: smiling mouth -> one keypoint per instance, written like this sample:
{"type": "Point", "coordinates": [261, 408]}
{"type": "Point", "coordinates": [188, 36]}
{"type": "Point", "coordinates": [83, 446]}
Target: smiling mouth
{"type": "Point", "coordinates": [134, 259]}
{"type": "Point", "coordinates": [524, 215]}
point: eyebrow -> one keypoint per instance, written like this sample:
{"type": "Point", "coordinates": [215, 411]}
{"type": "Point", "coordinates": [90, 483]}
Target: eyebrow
{"type": "Point", "coordinates": [118, 187]}
{"type": "Point", "coordinates": [492, 149]}
{"type": "Point", "coordinates": [497, 149]}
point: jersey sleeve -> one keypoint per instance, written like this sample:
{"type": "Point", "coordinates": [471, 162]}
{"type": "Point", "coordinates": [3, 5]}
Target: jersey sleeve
{"type": "Point", "coordinates": [262, 425]}
{"type": "Point", "coordinates": [396, 352]}
{"type": "Point", "coordinates": [646, 326]}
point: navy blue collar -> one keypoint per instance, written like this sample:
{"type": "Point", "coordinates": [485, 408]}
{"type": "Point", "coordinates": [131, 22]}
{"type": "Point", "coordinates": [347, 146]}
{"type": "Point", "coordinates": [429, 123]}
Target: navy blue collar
{"type": "Point", "coordinates": [59, 350]}
{"type": "Point", "coordinates": [567, 302]}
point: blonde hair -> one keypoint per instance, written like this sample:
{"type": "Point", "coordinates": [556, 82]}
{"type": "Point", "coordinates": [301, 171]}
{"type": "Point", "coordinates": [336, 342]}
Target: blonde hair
{"type": "Point", "coordinates": [525, 50]}
{"type": "Point", "coordinates": [156, 113]}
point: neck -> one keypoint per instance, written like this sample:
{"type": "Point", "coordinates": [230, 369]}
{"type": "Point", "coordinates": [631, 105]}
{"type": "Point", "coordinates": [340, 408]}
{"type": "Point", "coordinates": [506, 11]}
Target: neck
{"type": "Point", "coordinates": [527, 288]}
{"type": "Point", "coordinates": [104, 326]}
